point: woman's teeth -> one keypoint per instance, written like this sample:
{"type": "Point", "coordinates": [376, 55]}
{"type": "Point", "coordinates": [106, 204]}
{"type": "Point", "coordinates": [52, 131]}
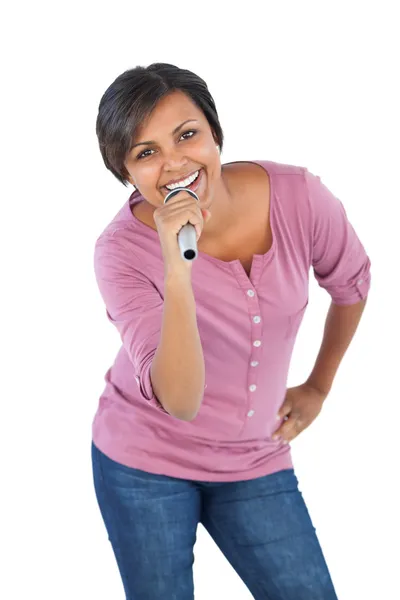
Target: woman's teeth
{"type": "Point", "coordinates": [184, 183]}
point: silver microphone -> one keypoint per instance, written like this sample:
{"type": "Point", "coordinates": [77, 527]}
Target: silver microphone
{"type": "Point", "coordinates": [187, 237]}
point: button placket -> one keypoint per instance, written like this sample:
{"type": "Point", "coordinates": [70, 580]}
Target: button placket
{"type": "Point", "coordinates": [256, 343]}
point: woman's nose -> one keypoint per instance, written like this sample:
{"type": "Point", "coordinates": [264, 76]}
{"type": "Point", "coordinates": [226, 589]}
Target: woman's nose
{"type": "Point", "coordinates": [174, 159]}
{"type": "Point", "coordinates": [175, 166]}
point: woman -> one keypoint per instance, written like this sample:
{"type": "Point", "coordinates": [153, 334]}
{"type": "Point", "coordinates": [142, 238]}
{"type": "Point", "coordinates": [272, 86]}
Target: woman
{"type": "Point", "coordinates": [195, 420]}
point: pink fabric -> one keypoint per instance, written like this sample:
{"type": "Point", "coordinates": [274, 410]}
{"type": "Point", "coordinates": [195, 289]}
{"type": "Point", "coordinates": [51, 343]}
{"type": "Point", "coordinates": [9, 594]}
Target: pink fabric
{"type": "Point", "coordinates": [247, 326]}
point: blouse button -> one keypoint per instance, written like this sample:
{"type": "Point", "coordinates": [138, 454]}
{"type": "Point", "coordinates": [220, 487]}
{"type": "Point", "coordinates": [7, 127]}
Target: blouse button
{"type": "Point", "coordinates": [250, 413]}
{"type": "Point", "coordinates": [250, 293]}
{"type": "Point", "coordinates": [253, 388]}
{"type": "Point", "coordinates": [256, 319]}
{"type": "Point", "coordinates": [257, 343]}
{"type": "Point", "coordinates": [254, 363]}
{"type": "Point", "coordinates": [360, 281]}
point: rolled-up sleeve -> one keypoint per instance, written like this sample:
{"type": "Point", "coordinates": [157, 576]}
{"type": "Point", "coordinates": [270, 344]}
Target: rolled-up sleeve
{"type": "Point", "coordinates": [340, 263]}
{"type": "Point", "coordinates": [133, 305]}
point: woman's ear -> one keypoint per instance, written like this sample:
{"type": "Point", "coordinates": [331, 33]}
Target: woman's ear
{"type": "Point", "coordinates": [216, 142]}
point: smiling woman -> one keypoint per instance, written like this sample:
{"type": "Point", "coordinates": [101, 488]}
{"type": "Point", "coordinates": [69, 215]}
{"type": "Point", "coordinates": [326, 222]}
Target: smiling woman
{"type": "Point", "coordinates": [175, 155]}
{"type": "Point", "coordinates": [158, 128]}
{"type": "Point", "coordinates": [129, 101]}
{"type": "Point", "coordinates": [185, 424]}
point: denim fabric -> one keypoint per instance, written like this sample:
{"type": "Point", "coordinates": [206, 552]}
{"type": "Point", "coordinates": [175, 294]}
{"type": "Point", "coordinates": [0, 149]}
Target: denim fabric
{"type": "Point", "coordinates": [262, 526]}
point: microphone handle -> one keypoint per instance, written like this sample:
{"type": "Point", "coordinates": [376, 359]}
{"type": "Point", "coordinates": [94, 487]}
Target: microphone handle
{"type": "Point", "coordinates": [187, 238]}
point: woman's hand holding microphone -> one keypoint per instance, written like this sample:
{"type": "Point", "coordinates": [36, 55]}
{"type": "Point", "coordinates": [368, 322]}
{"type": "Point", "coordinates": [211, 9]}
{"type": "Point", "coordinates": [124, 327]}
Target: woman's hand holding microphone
{"type": "Point", "coordinates": [182, 208]}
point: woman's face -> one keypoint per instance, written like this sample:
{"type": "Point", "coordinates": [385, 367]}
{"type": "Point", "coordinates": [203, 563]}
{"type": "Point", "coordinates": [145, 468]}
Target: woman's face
{"type": "Point", "coordinates": [173, 155]}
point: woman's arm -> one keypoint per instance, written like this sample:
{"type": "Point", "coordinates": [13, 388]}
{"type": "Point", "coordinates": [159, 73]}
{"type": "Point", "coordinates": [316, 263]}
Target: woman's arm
{"type": "Point", "coordinates": [340, 326]}
{"type": "Point", "coordinates": [178, 370]}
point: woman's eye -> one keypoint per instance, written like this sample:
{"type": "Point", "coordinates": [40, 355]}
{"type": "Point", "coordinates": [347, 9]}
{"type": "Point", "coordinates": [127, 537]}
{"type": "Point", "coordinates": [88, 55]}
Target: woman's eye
{"type": "Point", "coordinates": [193, 131]}
{"type": "Point", "coordinates": [142, 154]}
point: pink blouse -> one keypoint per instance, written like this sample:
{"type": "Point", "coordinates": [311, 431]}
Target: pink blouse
{"type": "Point", "coordinates": [247, 325]}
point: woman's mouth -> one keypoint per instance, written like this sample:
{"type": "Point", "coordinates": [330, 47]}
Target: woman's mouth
{"type": "Point", "coordinates": [192, 186]}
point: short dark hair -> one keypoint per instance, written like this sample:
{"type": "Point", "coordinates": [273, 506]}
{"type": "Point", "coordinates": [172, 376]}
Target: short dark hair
{"type": "Point", "coordinates": [129, 100]}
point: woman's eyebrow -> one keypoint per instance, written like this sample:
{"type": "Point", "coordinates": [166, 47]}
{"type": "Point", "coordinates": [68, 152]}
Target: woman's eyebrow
{"type": "Point", "coordinates": [173, 133]}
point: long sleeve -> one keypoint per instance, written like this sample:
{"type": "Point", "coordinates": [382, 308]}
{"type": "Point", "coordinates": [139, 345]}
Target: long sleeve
{"type": "Point", "coordinates": [133, 305]}
{"type": "Point", "coordinates": [340, 263]}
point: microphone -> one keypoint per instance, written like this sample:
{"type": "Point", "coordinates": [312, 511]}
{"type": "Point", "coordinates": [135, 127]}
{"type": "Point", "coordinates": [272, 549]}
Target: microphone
{"type": "Point", "coordinates": [187, 238]}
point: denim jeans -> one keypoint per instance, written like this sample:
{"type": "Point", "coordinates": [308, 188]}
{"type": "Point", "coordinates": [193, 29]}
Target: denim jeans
{"type": "Point", "coordinates": [262, 526]}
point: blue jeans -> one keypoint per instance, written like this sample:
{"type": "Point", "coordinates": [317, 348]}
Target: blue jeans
{"type": "Point", "coordinates": [262, 526]}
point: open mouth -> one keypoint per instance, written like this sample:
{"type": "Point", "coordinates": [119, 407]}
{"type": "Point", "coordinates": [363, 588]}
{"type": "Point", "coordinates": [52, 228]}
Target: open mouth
{"type": "Point", "coordinates": [191, 185]}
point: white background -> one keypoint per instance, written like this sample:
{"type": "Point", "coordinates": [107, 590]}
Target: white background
{"type": "Point", "coordinates": [305, 83]}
